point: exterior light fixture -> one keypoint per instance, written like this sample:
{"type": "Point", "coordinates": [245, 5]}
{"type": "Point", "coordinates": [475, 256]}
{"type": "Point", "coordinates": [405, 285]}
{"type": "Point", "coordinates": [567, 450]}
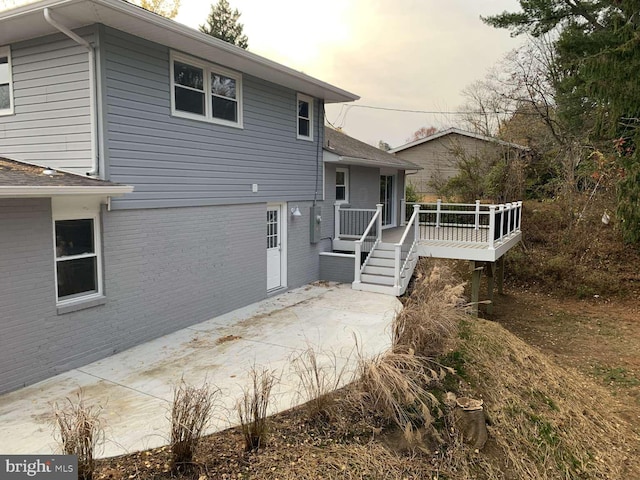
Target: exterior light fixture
{"type": "Point", "coordinates": [295, 212]}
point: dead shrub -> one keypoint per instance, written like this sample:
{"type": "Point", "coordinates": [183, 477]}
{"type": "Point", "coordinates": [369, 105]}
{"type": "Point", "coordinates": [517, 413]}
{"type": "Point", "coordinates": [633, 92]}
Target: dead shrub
{"type": "Point", "coordinates": [80, 429]}
{"type": "Point", "coordinates": [190, 415]}
{"type": "Point", "coordinates": [253, 407]}
{"type": "Point", "coordinates": [430, 315]}
{"type": "Point", "coordinates": [317, 381]}
{"type": "Point", "coordinates": [396, 387]}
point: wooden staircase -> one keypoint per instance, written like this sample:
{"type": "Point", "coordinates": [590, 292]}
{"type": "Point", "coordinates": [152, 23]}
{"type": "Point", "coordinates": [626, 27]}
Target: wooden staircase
{"type": "Point", "coordinates": [378, 273]}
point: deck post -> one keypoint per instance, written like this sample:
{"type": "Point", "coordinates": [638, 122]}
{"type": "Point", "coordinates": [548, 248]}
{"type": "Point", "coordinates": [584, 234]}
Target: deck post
{"type": "Point", "coordinates": [416, 224]}
{"type": "Point", "coordinates": [519, 215]}
{"type": "Point", "coordinates": [501, 210]}
{"type": "Point", "coordinates": [476, 274]}
{"type": "Point", "coordinates": [379, 222]}
{"type": "Point", "coordinates": [438, 207]}
{"type": "Point", "coordinates": [509, 212]}
{"type": "Point", "coordinates": [358, 255]}
{"type": "Point", "coordinates": [336, 221]}
{"type": "Point", "coordinates": [396, 265]}
{"type": "Point", "coordinates": [491, 274]}
{"type": "Point", "coordinates": [500, 274]}
{"type": "Point", "coordinates": [477, 214]}
{"type": "Point", "coordinates": [492, 226]}
{"type": "Point", "coordinates": [403, 212]}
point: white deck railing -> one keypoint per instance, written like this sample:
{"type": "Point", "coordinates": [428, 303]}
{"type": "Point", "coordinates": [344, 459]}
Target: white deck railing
{"type": "Point", "coordinates": [368, 241]}
{"type": "Point", "coordinates": [469, 223]}
{"type": "Point", "coordinates": [406, 247]}
{"type": "Point", "coordinates": [350, 223]}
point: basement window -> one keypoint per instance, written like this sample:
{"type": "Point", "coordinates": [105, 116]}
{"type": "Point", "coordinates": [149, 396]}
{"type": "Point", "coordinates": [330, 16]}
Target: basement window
{"type": "Point", "coordinates": [77, 257]}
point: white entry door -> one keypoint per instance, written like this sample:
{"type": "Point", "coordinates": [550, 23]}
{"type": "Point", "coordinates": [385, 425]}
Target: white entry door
{"type": "Point", "coordinates": [274, 247]}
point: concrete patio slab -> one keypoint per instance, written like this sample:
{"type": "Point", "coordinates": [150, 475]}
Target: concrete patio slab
{"type": "Point", "coordinates": [135, 387]}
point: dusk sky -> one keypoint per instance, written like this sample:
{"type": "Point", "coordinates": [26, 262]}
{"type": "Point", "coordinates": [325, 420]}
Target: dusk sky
{"type": "Point", "coordinates": [400, 54]}
{"type": "Point", "coordinates": [404, 54]}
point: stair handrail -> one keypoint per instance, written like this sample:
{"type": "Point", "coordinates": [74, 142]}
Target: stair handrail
{"type": "Point", "coordinates": [376, 220]}
{"type": "Point", "coordinates": [398, 246]}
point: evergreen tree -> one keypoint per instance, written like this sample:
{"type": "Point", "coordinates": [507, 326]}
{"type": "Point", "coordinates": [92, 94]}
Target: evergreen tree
{"type": "Point", "coordinates": [222, 23]}
{"type": "Point", "coordinates": [597, 91]}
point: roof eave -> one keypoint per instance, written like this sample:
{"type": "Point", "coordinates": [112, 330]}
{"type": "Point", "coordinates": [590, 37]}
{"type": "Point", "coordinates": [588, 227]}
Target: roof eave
{"type": "Point", "coordinates": [54, 191]}
{"type": "Point", "coordinates": [183, 36]}
{"type": "Point", "coordinates": [364, 162]}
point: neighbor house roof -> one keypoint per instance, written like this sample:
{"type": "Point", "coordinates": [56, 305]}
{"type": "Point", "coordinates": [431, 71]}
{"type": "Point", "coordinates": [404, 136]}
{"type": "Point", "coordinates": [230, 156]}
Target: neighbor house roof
{"type": "Point", "coordinates": [354, 152]}
{"type": "Point", "coordinates": [20, 179]}
{"type": "Point", "coordinates": [28, 21]}
{"type": "Point", "coordinates": [454, 130]}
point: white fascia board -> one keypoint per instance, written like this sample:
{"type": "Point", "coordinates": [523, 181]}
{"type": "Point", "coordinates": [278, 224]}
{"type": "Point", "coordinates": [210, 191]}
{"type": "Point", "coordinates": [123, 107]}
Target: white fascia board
{"type": "Point", "coordinates": [27, 22]}
{"type": "Point", "coordinates": [30, 192]}
{"type": "Point", "coordinates": [330, 157]}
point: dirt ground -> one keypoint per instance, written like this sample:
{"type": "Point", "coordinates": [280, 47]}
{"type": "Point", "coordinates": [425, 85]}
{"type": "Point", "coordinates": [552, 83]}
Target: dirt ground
{"type": "Point", "coordinates": [599, 337]}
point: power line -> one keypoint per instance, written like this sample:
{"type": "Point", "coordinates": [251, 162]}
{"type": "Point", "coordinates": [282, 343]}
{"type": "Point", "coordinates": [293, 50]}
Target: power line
{"type": "Point", "coordinates": [434, 112]}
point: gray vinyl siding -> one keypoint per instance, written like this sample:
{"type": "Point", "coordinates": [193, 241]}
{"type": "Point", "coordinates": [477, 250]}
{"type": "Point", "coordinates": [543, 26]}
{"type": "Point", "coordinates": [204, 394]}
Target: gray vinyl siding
{"type": "Point", "coordinates": [174, 161]}
{"type": "Point", "coordinates": [164, 269]}
{"type": "Point", "coordinates": [51, 121]}
{"type": "Point", "coordinates": [364, 187]}
{"type": "Point", "coordinates": [440, 158]}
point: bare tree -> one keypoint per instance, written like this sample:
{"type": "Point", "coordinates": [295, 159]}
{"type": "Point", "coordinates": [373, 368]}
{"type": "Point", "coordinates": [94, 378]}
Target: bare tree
{"type": "Point", "coordinates": [422, 132]}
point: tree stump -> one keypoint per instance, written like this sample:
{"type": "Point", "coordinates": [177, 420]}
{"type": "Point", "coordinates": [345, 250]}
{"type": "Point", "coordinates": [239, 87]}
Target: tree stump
{"type": "Point", "coordinates": [471, 421]}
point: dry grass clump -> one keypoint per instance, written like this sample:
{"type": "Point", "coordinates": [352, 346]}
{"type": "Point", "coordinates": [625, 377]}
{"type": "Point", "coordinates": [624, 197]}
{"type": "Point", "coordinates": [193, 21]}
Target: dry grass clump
{"type": "Point", "coordinates": [430, 315]}
{"type": "Point", "coordinates": [79, 428]}
{"type": "Point", "coordinates": [341, 461]}
{"type": "Point", "coordinates": [190, 415]}
{"type": "Point", "coordinates": [318, 380]}
{"type": "Point", "coordinates": [548, 422]}
{"type": "Point", "coordinates": [396, 387]}
{"type": "Point", "coordinates": [253, 408]}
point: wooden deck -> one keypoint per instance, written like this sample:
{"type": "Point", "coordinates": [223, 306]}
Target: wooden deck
{"type": "Point", "coordinates": [451, 242]}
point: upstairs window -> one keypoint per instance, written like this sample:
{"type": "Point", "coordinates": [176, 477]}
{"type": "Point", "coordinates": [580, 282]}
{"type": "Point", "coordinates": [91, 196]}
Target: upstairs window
{"type": "Point", "coordinates": [305, 117]}
{"type": "Point", "coordinates": [6, 87]}
{"type": "Point", "coordinates": [205, 92]}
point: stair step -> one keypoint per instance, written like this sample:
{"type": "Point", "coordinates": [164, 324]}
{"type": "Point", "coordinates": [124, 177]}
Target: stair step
{"type": "Point", "coordinates": [381, 262]}
{"type": "Point", "coordinates": [386, 246]}
{"type": "Point", "coordinates": [377, 253]}
{"type": "Point", "coordinates": [376, 279]}
{"type": "Point", "coordinates": [379, 270]}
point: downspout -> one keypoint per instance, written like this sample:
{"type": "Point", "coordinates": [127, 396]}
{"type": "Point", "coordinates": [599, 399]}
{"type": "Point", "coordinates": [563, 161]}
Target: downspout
{"type": "Point", "coordinates": [92, 86]}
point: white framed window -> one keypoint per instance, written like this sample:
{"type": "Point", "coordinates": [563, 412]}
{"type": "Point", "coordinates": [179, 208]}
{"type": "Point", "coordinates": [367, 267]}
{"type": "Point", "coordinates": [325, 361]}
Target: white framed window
{"type": "Point", "coordinates": [77, 254]}
{"type": "Point", "coordinates": [342, 185]}
{"type": "Point", "coordinates": [6, 83]}
{"type": "Point", "coordinates": [203, 91]}
{"type": "Point", "coordinates": [305, 117]}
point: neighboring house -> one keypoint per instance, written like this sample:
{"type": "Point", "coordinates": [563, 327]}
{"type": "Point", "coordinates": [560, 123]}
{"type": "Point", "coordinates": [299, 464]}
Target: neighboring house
{"type": "Point", "coordinates": [439, 154]}
{"type": "Point", "coordinates": [152, 179]}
